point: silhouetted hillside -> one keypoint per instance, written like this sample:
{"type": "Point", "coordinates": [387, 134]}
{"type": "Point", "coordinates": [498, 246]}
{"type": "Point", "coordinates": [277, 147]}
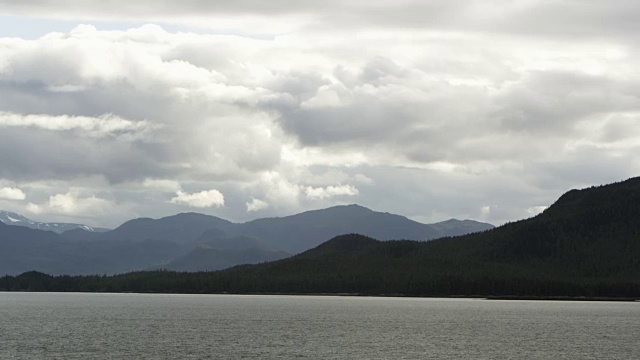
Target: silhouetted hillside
{"type": "Point", "coordinates": [215, 251]}
{"type": "Point", "coordinates": [204, 258]}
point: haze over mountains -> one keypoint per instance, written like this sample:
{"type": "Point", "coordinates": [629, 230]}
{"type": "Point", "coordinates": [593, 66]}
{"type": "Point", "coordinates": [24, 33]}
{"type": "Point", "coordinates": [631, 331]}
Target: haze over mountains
{"type": "Point", "coordinates": [191, 241]}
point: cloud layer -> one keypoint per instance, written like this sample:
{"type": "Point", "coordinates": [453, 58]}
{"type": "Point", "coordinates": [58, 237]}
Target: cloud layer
{"type": "Point", "coordinates": [428, 109]}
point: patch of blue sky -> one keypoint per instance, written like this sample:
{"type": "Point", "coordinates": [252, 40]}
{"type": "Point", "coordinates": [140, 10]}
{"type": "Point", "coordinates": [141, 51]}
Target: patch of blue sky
{"type": "Point", "coordinates": [35, 27]}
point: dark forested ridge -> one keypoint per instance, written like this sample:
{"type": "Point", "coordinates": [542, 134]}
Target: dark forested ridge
{"type": "Point", "coordinates": [586, 244]}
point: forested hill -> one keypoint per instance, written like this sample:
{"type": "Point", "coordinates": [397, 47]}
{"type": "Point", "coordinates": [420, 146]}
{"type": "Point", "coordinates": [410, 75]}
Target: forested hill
{"type": "Point", "coordinates": [586, 244]}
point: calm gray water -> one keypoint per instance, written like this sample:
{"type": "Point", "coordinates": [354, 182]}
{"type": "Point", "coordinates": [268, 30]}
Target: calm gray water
{"type": "Point", "coordinates": [137, 326]}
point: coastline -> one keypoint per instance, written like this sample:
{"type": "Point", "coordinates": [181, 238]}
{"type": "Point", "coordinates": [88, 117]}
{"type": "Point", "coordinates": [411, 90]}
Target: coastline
{"type": "Point", "coordinates": [453, 297]}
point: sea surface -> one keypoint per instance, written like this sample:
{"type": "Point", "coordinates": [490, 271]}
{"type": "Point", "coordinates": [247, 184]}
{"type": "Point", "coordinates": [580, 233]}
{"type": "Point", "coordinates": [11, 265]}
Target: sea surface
{"type": "Point", "coordinates": [151, 326]}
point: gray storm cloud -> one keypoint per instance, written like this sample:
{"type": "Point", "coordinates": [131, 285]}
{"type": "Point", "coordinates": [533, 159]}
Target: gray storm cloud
{"type": "Point", "coordinates": [428, 109]}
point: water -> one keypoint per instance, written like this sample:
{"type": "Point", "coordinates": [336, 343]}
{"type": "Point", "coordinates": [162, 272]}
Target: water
{"type": "Point", "coordinates": [137, 326]}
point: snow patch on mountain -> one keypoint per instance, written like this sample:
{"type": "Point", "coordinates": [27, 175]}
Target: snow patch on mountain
{"type": "Point", "coordinates": [11, 218]}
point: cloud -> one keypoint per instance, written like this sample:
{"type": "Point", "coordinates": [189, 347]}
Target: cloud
{"type": "Point", "coordinates": [72, 204]}
{"type": "Point", "coordinates": [102, 126]}
{"type": "Point", "coordinates": [256, 205]}
{"type": "Point", "coordinates": [485, 212]}
{"type": "Point", "coordinates": [542, 18]}
{"type": "Point", "coordinates": [203, 199]}
{"type": "Point", "coordinates": [9, 193]}
{"type": "Point", "coordinates": [364, 179]}
{"type": "Point", "coordinates": [243, 110]}
{"type": "Point", "coordinates": [427, 109]}
{"type": "Point", "coordinates": [177, 100]}
{"type": "Point", "coordinates": [535, 210]}
{"type": "Point", "coordinates": [162, 185]}
{"type": "Point", "coordinates": [330, 191]}
{"type": "Point", "coordinates": [278, 189]}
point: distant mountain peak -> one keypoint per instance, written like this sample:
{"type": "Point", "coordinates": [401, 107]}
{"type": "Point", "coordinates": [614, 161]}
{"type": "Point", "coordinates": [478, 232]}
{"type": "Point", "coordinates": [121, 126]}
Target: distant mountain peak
{"type": "Point", "coordinates": [349, 207]}
{"type": "Point", "coordinates": [187, 214]}
{"type": "Point", "coordinates": [190, 215]}
{"type": "Point", "coordinates": [11, 218]}
{"type": "Point", "coordinates": [355, 206]}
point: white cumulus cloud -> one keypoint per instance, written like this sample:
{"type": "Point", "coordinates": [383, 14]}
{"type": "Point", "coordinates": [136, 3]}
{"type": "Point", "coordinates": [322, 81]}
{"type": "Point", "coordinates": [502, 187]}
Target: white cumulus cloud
{"type": "Point", "coordinates": [9, 193]}
{"type": "Point", "coordinates": [71, 204]}
{"type": "Point", "coordinates": [330, 191]}
{"type": "Point", "coordinates": [203, 199]}
{"type": "Point", "coordinates": [256, 205]}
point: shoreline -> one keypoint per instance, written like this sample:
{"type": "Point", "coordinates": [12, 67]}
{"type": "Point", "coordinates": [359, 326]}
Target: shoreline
{"type": "Point", "coordinates": [471, 297]}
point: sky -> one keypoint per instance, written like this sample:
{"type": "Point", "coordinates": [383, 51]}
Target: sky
{"type": "Point", "coordinates": [485, 110]}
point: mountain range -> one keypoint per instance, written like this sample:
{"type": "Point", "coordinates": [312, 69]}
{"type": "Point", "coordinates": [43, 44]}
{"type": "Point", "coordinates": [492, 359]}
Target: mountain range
{"type": "Point", "coordinates": [196, 242]}
{"type": "Point", "coordinates": [585, 245]}
{"type": "Point", "coordinates": [11, 218]}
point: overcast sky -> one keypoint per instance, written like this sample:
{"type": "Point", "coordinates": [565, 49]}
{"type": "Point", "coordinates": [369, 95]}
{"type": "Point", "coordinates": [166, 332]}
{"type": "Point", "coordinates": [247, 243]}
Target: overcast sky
{"type": "Point", "coordinates": [487, 110]}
